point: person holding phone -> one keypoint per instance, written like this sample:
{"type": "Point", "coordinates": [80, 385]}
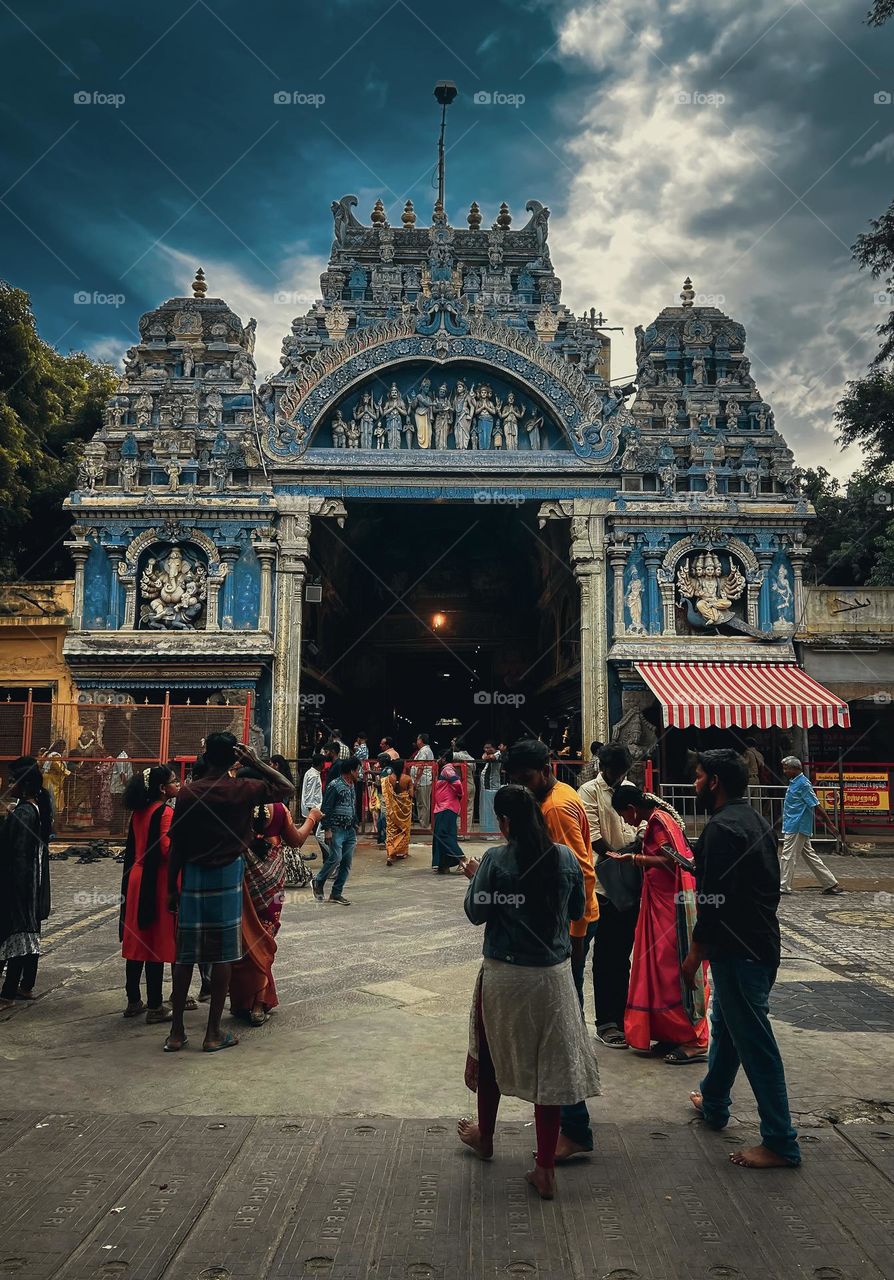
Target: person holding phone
{"type": "Point", "coordinates": [210, 832]}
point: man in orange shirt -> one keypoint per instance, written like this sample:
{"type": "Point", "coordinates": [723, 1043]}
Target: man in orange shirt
{"type": "Point", "coordinates": [528, 763]}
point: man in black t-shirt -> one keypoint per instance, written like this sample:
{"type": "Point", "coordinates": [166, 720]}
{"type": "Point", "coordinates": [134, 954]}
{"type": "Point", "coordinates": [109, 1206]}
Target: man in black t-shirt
{"type": "Point", "coordinates": [737, 874]}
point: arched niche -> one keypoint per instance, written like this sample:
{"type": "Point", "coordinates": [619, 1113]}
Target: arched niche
{"type": "Point", "coordinates": [725, 546]}
{"type": "Point", "coordinates": [197, 567]}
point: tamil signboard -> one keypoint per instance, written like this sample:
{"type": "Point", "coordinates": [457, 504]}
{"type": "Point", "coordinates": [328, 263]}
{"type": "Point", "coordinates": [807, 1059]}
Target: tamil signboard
{"type": "Point", "coordinates": [865, 790]}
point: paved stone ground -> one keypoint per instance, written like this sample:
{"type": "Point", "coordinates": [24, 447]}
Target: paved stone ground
{"type": "Point", "coordinates": [324, 1144]}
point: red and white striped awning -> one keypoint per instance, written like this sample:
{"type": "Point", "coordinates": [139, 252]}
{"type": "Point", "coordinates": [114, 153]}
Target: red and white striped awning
{"type": "Point", "coordinates": [741, 694]}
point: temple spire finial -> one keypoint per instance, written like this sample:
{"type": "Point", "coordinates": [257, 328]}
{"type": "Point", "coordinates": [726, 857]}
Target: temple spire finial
{"type": "Point", "coordinates": [688, 295]}
{"type": "Point", "coordinates": [199, 287]}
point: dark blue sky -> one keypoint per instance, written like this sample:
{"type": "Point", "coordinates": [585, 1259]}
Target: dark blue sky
{"type": "Point", "coordinates": [741, 144]}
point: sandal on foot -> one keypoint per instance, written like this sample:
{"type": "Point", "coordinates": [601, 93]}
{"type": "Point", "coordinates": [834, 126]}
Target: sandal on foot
{"type": "Point", "coordinates": [228, 1041]}
{"type": "Point", "coordinates": [175, 1048]}
{"type": "Point", "coordinates": [162, 1014]}
{"type": "Point", "coordinates": [134, 1010]}
{"type": "Point", "coordinates": [678, 1058]}
{"type": "Point", "coordinates": [612, 1038]}
{"type": "Point", "coordinates": [191, 1004]}
{"type": "Point", "coordinates": [257, 1019]}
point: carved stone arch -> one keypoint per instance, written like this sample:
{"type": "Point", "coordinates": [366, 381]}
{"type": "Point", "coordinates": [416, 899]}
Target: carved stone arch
{"type": "Point", "coordinates": [575, 403]}
{"type": "Point", "coordinates": [713, 540]}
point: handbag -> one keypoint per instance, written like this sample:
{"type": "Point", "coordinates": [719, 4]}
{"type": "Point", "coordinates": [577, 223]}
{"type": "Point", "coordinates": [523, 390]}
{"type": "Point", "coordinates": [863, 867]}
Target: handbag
{"type": "Point", "coordinates": [622, 882]}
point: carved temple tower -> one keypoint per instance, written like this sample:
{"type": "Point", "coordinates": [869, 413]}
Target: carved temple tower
{"type": "Point", "coordinates": [439, 362]}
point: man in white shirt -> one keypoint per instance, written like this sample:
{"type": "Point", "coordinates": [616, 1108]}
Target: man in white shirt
{"type": "Point", "coordinates": [312, 786]}
{"type": "Point", "coordinates": [614, 931]}
{"type": "Point", "coordinates": [424, 779]}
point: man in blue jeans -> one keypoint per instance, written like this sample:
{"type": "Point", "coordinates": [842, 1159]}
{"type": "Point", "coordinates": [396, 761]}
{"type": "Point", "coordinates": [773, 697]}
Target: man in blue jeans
{"type": "Point", "coordinates": [737, 873]}
{"type": "Point", "coordinates": [339, 823]}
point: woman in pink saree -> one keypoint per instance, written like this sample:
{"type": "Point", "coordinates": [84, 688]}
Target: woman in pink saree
{"type": "Point", "coordinates": [660, 1006]}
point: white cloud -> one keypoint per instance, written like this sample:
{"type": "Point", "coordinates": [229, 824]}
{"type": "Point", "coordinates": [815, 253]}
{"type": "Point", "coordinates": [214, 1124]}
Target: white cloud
{"type": "Point", "coordinates": [274, 302]}
{"type": "Point", "coordinates": [660, 188]}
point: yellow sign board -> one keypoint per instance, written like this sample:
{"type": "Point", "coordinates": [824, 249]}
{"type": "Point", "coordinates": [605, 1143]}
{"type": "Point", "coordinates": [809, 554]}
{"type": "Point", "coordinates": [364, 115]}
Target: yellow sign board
{"type": "Point", "coordinates": [866, 790]}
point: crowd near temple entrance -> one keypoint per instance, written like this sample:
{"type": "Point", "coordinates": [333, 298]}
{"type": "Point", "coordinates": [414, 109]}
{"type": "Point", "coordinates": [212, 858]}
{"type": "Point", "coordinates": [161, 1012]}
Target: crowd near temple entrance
{"type": "Point", "coordinates": [454, 618]}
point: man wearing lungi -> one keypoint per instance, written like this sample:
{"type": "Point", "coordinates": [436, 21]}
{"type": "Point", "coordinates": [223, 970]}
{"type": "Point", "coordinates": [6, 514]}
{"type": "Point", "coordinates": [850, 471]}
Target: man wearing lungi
{"type": "Point", "coordinates": [211, 829]}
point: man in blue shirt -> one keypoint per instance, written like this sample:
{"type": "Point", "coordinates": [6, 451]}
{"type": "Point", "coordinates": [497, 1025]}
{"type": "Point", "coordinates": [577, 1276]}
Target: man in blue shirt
{"type": "Point", "coordinates": [797, 828]}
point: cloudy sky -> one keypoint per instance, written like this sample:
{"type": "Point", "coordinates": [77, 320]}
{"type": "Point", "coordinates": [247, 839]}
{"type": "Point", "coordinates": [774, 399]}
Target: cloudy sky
{"type": "Point", "coordinates": [743, 142]}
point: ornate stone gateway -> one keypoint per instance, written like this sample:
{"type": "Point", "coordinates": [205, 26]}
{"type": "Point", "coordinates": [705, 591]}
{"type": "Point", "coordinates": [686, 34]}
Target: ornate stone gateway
{"type": "Point", "coordinates": [438, 366]}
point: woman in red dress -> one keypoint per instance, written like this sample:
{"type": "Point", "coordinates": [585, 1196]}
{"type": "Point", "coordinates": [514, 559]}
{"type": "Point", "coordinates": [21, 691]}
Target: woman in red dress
{"type": "Point", "coordinates": [147, 928]}
{"type": "Point", "coordinates": [660, 1006]}
{"type": "Point", "coordinates": [252, 988]}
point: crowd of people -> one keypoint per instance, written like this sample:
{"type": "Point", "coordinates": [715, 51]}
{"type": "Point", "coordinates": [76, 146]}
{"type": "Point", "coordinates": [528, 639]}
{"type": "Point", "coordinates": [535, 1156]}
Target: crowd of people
{"type": "Point", "coordinates": [606, 870]}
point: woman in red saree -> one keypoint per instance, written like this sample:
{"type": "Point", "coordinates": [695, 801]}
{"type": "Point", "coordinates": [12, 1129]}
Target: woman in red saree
{"type": "Point", "coordinates": [660, 1007]}
{"type": "Point", "coordinates": [252, 989]}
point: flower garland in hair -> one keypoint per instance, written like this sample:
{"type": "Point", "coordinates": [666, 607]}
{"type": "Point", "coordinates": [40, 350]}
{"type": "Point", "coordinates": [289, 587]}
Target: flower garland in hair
{"type": "Point", "coordinates": [668, 808]}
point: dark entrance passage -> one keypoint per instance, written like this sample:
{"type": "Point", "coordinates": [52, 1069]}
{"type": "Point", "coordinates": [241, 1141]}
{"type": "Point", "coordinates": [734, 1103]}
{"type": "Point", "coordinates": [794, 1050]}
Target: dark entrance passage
{"type": "Point", "coordinates": [446, 618]}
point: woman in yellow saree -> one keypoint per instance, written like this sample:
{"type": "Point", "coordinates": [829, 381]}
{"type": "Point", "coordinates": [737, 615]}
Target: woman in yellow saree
{"type": "Point", "coordinates": [397, 794]}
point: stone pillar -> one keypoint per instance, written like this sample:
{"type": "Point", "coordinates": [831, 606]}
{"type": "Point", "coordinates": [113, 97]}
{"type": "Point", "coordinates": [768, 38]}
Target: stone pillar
{"type": "Point", "coordinates": [763, 596]}
{"type": "Point", "coordinates": [293, 530]}
{"type": "Point", "coordinates": [228, 588]}
{"type": "Point", "coordinates": [79, 549]}
{"type": "Point", "coordinates": [588, 563]}
{"type": "Point", "coordinates": [797, 555]}
{"type": "Point", "coordinates": [617, 555]}
{"type": "Point", "coordinates": [658, 622]}
{"type": "Point", "coordinates": [265, 550]}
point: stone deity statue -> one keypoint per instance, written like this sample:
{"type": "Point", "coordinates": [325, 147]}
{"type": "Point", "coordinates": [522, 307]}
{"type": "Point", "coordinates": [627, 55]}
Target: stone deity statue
{"type": "Point", "coordinates": [174, 592]}
{"type": "Point", "coordinates": [699, 374]}
{"type": "Point", "coordinates": [421, 404]}
{"type": "Point", "coordinates": [443, 417]}
{"type": "Point", "coordinates": [535, 433]}
{"type": "Point", "coordinates": [218, 473]}
{"type": "Point", "coordinates": [365, 415]}
{"type": "Point", "coordinates": [172, 471]}
{"type": "Point", "coordinates": [485, 413]}
{"type": "Point", "coordinates": [633, 599]}
{"type": "Point", "coordinates": [394, 414]}
{"type": "Point", "coordinates": [511, 413]}
{"type": "Point", "coordinates": [782, 590]}
{"type": "Point", "coordinates": [712, 592]}
{"type": "Point", "coordinates": [464, 412]}
{"type": "Point", "coordinates": [339, 430]}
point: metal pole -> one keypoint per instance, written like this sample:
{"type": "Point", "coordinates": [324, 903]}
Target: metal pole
{"type": "Point", "coordinates": [441, 155]}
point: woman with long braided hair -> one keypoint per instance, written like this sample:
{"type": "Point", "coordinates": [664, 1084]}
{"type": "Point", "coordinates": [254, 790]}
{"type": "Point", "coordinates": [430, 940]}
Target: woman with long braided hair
{"type": "Point", "coordinates": [660, 1006]}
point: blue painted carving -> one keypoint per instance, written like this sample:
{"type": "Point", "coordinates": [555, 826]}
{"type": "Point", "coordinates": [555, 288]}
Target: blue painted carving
{"type": "Point", "coordinates": [246, 590]}
{"type": "Point", "coordinates": [589, 436]}
{"type": "Point", "coordinates": [635, 572]}
{"type": "Point", "coordinates": [97, 589]}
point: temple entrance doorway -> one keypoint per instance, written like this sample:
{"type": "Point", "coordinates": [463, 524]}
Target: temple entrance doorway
{"type": "Point", "coordinates": [451, 618]}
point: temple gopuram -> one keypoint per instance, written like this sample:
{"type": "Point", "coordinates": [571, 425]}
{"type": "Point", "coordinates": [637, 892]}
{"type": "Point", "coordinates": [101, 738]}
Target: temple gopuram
{"type": "Point", "coordinates": [440, 510]}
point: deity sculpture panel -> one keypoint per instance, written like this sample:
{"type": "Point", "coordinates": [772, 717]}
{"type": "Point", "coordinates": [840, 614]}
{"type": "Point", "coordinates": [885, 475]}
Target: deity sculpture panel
{"type": "Point", "coordinates": [463, 411]}
{"type": "Point", "coordinates": [173, 590]}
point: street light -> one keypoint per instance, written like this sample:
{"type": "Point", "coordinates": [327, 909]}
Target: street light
{"type": "Point", "coordinates": [445, 92]}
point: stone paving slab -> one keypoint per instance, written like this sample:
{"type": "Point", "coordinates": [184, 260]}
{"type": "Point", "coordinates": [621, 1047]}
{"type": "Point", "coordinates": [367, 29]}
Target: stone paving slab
{"type": "Point", "coordinates": [205, 1198]}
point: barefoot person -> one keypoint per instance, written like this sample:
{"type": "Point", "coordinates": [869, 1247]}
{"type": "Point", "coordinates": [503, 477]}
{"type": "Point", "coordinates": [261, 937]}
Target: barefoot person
{"type": "Point", "coordinates": [211, 830]}
{"type": "Point", "coordinates": [397, 798]}
{"type": "Point", "coordinates": [528, 763]}
{"type": "Point", "coordinates": [660, 1006]}
{"type": "Point", "coordinates": [737, 872]}
{"type": "Point", "coordinates": [148, 934]}
{"type": "Point", "coordinates": [447, 800]}
{"type": "Point", "coordinates": [527, 1037]}
{"type": "Point", "coordinates": [252, 988]}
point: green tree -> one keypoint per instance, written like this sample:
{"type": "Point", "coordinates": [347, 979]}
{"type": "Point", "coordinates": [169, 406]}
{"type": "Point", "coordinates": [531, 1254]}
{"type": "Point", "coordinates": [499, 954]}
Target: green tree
{"type": "Point", "coordinates": [49, 404]}
{"type": "Point", "coordinates": [852, 538]}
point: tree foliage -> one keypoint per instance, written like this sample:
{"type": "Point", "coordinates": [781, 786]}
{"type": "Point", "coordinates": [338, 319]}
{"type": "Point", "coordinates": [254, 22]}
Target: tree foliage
{"type": "Point", "coordinates": [852, 538]}
{"type": "Point", "coordinates": [49, 404]}
{"type": "Point", "coordinates": [880, 12]}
